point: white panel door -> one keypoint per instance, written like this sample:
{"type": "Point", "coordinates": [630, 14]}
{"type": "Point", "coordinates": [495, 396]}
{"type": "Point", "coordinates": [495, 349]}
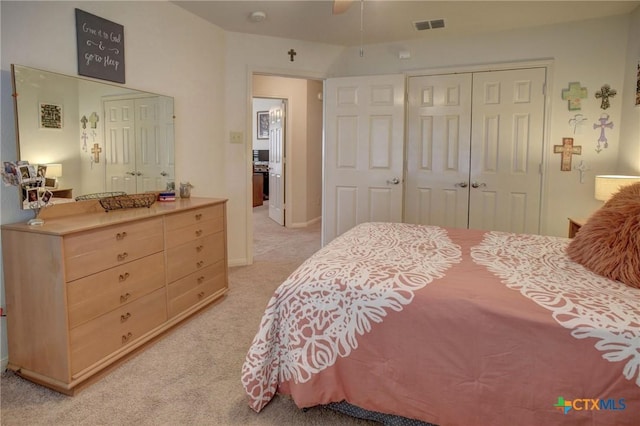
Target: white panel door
{"type": "Point", "coordinates": [152, 146]}
{"type": "Point", "coordinates": [438, 150]}
{"type": "Point", "coordinates": [363, 158]}
{"type": "Point", "coordinates": [120, 154]}
{"type": "Point", "coordinates": [506, 150]}
{"type": "Point", "coordinates": [276, 163]}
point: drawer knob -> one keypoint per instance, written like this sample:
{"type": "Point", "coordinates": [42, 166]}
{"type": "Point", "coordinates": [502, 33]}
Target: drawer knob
{"type": "Point", "coordinates": [199, 264]}
{"type": "Point", "coordinates": [123, 277]}
{"type": "Point", "coordinates": [198, 232]}
{"type": "Point", "coordinates": [120, 236]}
{"type": "Point", "coordinates": [126, 337]}
{"type": "Point", "coordinates": [125, 317]}
{"type": "Point", "coordinates": [122, 256]}
{"type": "Point", "coordinates": [198, 216]}
{"type": "Point", "coordinates": [200, 279]}
{"type": "Point", "coordinates": [199, 248]}
{"type": "Point", "coordinates": [201, 295]}
{"type": "Point", "coordinates": [124, 297]}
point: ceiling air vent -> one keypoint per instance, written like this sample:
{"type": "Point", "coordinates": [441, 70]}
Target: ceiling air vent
{"type": "Point", "coordinates": [426, 25]}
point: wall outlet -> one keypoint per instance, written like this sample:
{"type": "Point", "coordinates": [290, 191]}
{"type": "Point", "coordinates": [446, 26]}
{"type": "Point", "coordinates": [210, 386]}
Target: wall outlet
{"type": "Point", "coordinates": [236, 137]}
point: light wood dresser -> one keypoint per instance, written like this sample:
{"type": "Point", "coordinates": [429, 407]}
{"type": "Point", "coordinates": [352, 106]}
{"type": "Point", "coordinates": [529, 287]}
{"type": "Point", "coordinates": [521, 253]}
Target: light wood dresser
{"type": "Point", "coordinates": [89, 288]}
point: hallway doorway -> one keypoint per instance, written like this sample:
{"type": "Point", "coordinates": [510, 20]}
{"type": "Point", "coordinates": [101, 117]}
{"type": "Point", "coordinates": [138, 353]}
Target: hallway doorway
{"type": "Point", "coordinates": [302, 148]}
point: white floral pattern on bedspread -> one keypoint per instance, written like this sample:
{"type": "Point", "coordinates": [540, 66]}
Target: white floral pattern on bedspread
{"type": "Point", "coordinates": [573, 306]}
{"type": "Point", "coordinates": [317, 314]}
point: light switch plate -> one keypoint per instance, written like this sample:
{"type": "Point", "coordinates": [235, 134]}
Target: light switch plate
{"type": "Point", "coordinates": [236, 137]}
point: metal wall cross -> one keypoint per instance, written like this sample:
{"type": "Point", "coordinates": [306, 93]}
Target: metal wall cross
{"type": "Point", "coordinates": [567, 150]}
{"type": "Point", "coordinates": [605, 93]}
{"type": "Point", "coordinates": [291, 54]}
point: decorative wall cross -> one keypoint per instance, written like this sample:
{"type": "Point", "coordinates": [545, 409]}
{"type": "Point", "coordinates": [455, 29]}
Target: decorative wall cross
{"type": "Point", "coordinates": [581, 168]}
{"type": "Point", "coordinates": [96, 150]}
{"type": "Point", "coordinates": [84, 138]}
{"type": "Point", "coordinates": [573, 94]}
{"type": "Point", "coordinates": [576, 121]}
{"type": "Point", "coordinates": [291, 54]}
{"type": "Point", "coordinates": [605, 93]}
{"type": "Point", "coordinates": [602, 124]}
{"type": "Point", "coordinates": [84, 120]}
{"type": "Point", "coordinates": [93, 119]}
{"type": "Point", "coordinates": [567, 150]}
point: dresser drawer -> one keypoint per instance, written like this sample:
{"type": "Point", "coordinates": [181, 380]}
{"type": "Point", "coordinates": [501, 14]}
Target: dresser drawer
{"type": "Point", "coordinates": [196, 287]}
{"type": "Point", "coordinates": [192, 217]}
{"type": "Point", "coordinates": [94, 340]}
{"type": "Point", "coordinates": [92, 251]}
{"type": "Point", "coordinates": [92, 296]}
{"type": "Point", "coordinates": [178, 236]}
{"type": "Point", "coordinates": [195, 255]}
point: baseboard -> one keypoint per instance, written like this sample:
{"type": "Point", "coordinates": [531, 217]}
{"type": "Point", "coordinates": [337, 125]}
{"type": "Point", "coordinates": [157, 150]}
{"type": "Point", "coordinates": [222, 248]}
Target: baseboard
{"type": "Point", "coordinates": [307, 223]}
{"type": "Point", "coordinates": [237, 262]}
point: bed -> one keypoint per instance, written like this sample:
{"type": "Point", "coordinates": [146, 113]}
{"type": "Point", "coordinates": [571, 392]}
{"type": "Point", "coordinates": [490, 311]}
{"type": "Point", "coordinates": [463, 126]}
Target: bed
{"type": "Point", "coordinates": [451, 327]}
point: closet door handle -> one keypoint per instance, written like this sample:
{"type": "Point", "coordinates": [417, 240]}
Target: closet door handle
{"type": "Point", "coordinates": [393, 181]}
{"type": "Point", "coordinates": [462, 184]}
{"type": "Point", "coordinates": [478, 185]}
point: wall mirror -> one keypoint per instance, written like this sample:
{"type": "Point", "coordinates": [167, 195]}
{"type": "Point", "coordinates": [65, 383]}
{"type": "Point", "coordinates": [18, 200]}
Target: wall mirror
{"type": "Point", "coordinates": [94, 137]}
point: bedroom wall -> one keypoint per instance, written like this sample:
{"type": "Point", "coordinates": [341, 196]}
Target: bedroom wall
{"type": "Point", "coordinates": [587, 52]}
{"type": "Point", "coordinates": [168, 51]}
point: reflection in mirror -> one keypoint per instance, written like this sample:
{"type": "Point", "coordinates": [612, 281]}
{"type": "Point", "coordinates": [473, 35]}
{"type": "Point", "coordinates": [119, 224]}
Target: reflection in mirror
{"type": "Point", "coordinates": [96, 137]}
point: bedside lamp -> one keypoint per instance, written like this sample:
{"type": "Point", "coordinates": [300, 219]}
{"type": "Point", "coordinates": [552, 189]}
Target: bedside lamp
{"type": "Point", "coordinates": [54, 171]}
{"type": "Point", "coordinates": [607, 185]}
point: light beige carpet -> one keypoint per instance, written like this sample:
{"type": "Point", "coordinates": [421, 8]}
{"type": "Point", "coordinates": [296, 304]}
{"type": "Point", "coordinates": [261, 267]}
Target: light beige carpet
{"type": "Point", "coordinates": [192, 376]}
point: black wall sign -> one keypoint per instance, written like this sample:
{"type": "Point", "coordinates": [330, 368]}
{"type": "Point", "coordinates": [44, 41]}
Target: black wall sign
{"type": "Point", "coordinates": [100, 47]}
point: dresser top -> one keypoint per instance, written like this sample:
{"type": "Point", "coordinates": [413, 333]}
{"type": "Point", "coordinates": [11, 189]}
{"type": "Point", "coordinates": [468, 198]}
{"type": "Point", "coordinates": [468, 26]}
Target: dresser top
{"type": "Point", "coordinates": [89, 215]}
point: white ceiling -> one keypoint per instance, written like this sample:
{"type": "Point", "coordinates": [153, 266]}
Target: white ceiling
{"type": "Point", "coordinates": [386, 21]}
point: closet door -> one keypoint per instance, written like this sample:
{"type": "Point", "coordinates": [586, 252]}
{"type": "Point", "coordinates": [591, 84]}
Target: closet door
{"type": "Point", "coordinates": [506, 150]}
{"type": "Point", "coordinates": [474, 150]}
{"type": "Point", "coordinates": [120, 137]}
{"type": "Point", "coordinates": [363, 152]}
{"type": "Point", "coordinates": [438, 150]}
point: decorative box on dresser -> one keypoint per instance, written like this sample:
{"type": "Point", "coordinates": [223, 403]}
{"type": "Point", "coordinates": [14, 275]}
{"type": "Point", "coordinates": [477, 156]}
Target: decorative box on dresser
{"type": "Point", "coordinates": [89, 287]}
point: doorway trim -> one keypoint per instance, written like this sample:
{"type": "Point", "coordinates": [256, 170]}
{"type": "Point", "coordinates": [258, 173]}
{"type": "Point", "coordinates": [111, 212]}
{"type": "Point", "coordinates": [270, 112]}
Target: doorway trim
{"type": "Point", "coordinates": [274, 72]}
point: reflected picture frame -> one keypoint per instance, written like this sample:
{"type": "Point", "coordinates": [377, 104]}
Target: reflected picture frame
{"type": "Point", "coordinates": [51, 116]}
{"type": "Point", "coordinates": [262, 125]}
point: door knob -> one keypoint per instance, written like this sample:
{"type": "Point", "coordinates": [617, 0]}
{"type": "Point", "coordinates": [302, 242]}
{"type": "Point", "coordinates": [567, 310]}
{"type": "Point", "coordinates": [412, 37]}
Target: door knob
{"type": "Point", "coordinates": [478, 185]}
{"type": "Point", "coordinates": [462, 184]}
{"type": "Point", "coordinates": [393, 181]}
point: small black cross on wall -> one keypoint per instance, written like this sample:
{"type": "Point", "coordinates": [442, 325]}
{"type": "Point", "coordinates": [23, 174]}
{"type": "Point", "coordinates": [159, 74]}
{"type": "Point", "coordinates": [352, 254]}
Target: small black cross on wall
{"type": "Point", "coordinates": [291, 54]}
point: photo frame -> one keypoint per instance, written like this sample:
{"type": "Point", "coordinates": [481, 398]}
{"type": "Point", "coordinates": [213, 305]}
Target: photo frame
{"type": "Point", "coordinates": [262, 123]}
{"type": "Point", "coordinates": [50, 115]}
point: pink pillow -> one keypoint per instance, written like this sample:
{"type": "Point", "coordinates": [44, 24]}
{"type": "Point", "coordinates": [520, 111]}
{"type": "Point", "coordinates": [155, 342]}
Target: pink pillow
{"type": "Point", "coordinates": [609, 243]}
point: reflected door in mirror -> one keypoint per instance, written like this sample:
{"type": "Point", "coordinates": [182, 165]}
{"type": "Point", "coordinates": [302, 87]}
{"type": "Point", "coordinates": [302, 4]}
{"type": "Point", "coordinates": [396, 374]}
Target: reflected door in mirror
{"type": "Point", "coordinates": [139, 148]}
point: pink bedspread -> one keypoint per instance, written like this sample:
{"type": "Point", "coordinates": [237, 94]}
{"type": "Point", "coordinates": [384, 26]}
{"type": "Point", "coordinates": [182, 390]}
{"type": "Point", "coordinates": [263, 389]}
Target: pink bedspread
{"type": "Point", "coordinates": [453, 327]}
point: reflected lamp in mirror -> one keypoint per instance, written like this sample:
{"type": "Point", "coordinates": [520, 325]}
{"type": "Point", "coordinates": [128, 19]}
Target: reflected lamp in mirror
{"type": "Point", "coordinates": [54, 171]}
{"type": "Point", "coordinates": [607, 185]}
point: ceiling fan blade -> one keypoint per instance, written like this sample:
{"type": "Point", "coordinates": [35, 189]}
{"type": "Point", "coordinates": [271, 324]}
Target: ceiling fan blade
{"type": "Point", "coordinates": [341, 6]}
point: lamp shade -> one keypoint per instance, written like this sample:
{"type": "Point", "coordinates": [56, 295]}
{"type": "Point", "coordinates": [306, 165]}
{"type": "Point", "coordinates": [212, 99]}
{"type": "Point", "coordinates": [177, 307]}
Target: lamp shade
{"type": "Point", "coordinates": [53, 170]}
{"type": "Point", "coordinates": [607, 185]}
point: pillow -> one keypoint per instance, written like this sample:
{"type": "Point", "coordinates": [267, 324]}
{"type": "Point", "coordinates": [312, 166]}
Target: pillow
{"type": "Point", "coordinates": [609, 242]}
